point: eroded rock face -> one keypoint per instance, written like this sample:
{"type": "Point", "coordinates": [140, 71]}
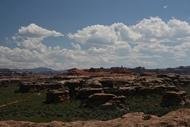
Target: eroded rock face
{"type": "Point", "coordinates": [9, 82]}
{"type": "Point", "coordinates": [107, 82]}
{"type": "Point", "coordinates": [105, 101]}
{"type": "Point", "coordinates": [73, 84]}
{"type": "Point", "coordinates": [170, 76]}
{"type": "Point", "coordinates": [117, 102]}
{"type": "Point", "coordinates": [96, 84]}
{"type": "Point", "coordinates": [145, 90]}
{"type": "Point", "coordinates": [93, 83]}
{"type": "Point", "coordinates": [173, 98]}
{"type": "Point", "coordinates": [57, 96]}
{"type": "Point", "coordinates": [127, 91]}
{"type": "Point", "coordinates": [33, 87]}
{"type": "Point", "coordinates": [98, 99]}
{"type": "Point", "coordinates": [82, 88]}
{"type": "Point", "coordinates": [84, 93]}
{"type": "Point", "coordinates": [28, 87]}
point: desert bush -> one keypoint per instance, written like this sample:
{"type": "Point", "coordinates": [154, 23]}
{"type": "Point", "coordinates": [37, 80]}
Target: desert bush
{"type": "Point", "coordinates": [147, 117]}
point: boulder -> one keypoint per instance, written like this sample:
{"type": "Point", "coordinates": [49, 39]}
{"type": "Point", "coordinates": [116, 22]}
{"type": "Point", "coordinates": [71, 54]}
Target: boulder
{"type": "Point", "coordinates": [166, 79]}
{"type": "Point", "coordinates": [93, 82]}
{"type": "Point", "coordinates": [173, 98]}
{"type": "Point", "coordinates": [171, 76]}
{"type": "Point", "coordinates": [144, 91]}
{"type": "Point", "coordinates": [9, 82]}
{"type": "Point", "coordinates": [148, 74]}
{"type": "Point", "coordinates": [171, 88]}
{"type": "Point", "coordinates": [127, 91]}
{"type": "Point", "coordinates": [96, 84]}
{"type": "Point", "coordinates": [160, 90]}
{"type": "Point", "coordinates": [57, 96]}
{"type": "Point", "coordinates": [120, 81]}
{"type": "Point", "coordinates": [185, 82]}
{"type": "Point", "coordinates": [105, 101]}
{"type": "Point", "coordinates": [84, 93]}
{"type": "Point", "coordinates": [28, 87]}
{"type": "Point", "coordinates": [120, 99]}
{"type": "Point", "coordinates": [107, 82]}
{"type": "Point", "coordinates": [114, 82]}
{"type": "Point", "coordinates": [108, 106]}
{"type": "Point", "coordinates": [33, 87]}
{"type": "Point", "coordinates": [72, 84]}
{"type": "Point", "coordinates": [97, 99]}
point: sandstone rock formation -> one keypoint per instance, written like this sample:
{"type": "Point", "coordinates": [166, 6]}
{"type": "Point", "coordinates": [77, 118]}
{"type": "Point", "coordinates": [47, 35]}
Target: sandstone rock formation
{"type": "Point", "coordinates": [145, 90]}
{"type": "Point", "coordinates": [57, 96]}
{"type": "Point", "coordinates": [173, 98]}
{"type": "Point", "coordinates": [98, 99]}
{"type": "Point", "coordinates": [117, 102]}
{"type": "Point", "coordinates": [33, 87]}
{"type": "Point", "coordinates": [84, 93]}
{"type": "Point", "coordinates": [105, 101]}
{"type": "Point", "coordinates": [27, 87]}
{"type": "Point", "coordinates": [82, 88]}
{"type": "Point", "coordinates": [10, 82]}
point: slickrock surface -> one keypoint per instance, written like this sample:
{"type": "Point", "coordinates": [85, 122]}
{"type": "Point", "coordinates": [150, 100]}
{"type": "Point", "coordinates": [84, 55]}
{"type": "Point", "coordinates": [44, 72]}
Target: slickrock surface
{"type": "Point", "coordinates": [178, 118]}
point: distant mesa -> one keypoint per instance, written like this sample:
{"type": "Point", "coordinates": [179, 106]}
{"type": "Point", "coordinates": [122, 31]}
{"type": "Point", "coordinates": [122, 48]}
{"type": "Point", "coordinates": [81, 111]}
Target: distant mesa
{"type": "Point", "coordinates": [75, 71]}
{"type": "Point", "coordinates": [45, 72]}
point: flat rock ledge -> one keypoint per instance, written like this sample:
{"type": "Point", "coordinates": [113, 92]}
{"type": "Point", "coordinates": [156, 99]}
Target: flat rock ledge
{"type": "Point", "coordinates": [178, 118]}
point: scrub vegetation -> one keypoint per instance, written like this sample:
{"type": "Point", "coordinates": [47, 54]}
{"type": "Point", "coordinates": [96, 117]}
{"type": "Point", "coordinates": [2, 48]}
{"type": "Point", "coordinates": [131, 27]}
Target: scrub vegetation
{"type": "Point", "coordinates": [32, 107]}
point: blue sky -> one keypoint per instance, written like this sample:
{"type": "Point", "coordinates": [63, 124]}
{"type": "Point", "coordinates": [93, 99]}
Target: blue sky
{"type": "Point", "coordinates": [63, 34]}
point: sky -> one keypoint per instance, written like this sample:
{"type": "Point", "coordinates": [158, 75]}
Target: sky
{"type": "Point", "coordinates": [64, 34]}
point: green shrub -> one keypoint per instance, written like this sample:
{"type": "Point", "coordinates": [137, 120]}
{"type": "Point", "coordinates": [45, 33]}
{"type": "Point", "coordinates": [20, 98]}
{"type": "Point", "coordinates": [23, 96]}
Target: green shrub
{"type": "Point", "coordinates": [147, 117]}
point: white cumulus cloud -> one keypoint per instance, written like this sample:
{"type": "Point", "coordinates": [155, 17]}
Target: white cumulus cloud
{"type": "Point", "coordinates": [95, 34]}
{"type": "Point", "coordinates": [35, 31]}
{"type": "Point", "coordinates": [151, 43]}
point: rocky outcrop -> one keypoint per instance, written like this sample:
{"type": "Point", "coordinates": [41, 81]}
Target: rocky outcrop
{"type": "Point", "coordinates": [105, 101]}
{"type": "Point", "coordinates": [10, 82]}
{"type": "Point", "coordinates": [33, 87]}
{"type": "Point", "coordinates": [84, 93]}
{"type": "Point", "coordinates": [75, 72]}
{"type": "Point", "coordinates": [171, 76]}
{"type": "Point", "coordinates": [107, 82]}
{"type": "Point", "coordinates": [28, 87]}
{"type": "Point", "coordinates": [178, 118]}
{"type": "Point", "coordinates": [117, 102]}
{"type": "Point", "coordinates": [73, 84]}
{"type": "Point", "coordinates": [173, 98]}
{"type": "Point", "coordinates": [93, 83]}
{"type": "Point", "coordinates": [145, 90]}
{"type": "Point", "coordinates": [57, 96]}
{"type": "Point", "coordinates": [115, 82]}
{"type": "Point", "coordinates": [97, 99]}
{"type": "Point", "coordinates": [82, 88]}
